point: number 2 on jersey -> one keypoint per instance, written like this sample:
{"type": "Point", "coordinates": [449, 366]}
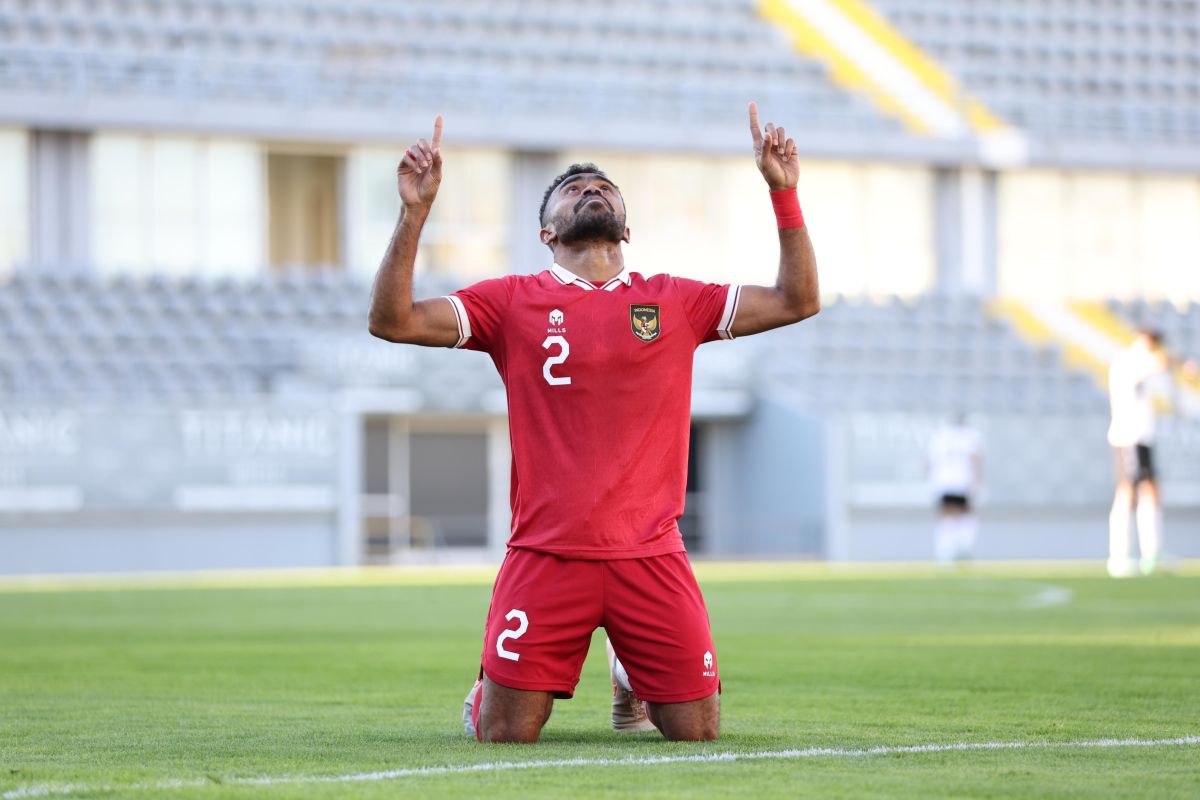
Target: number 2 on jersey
{"type": "Point", "coordinates": [556, 380]}
{"type": "Point", "coordinates": [522, 626]}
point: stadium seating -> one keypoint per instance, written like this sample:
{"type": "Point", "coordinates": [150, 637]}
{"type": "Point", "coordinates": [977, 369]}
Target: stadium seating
{"type": "Point", "coordinates": [1180, 325]}
{"type": "Point", "coordinates": [673, 60]}
{"type": "Point", "coordinates": [1097, 71]}
{"type": "Point", "coordinates": [68, 338]}
{"type": "Point", "coordinates": [934, 354]}
{"type": "Point", "coordinates": [1104, 71]}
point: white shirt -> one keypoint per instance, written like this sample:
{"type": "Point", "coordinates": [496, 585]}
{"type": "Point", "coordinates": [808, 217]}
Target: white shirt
{"type": "Point", "coordinates": [1134, 378]}
{"type": "Point", "coordinates": [952, 459]}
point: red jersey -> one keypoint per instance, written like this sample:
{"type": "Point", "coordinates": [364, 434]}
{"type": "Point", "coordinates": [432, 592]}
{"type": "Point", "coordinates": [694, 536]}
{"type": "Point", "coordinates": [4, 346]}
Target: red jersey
{"type": "Point", "coordinates": [599, 386]}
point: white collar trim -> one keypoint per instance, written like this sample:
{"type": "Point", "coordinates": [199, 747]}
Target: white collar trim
{"type": "Point", "coordinates": [566, 277]}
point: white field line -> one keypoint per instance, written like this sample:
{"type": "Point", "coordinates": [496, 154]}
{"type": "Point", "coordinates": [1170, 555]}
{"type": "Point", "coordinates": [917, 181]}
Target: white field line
{"type": "Point", "coordinates": [1047, 596]}
{"type": "Point", "coordinates": [48, 790]}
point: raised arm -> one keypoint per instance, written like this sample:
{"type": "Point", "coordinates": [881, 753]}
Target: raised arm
{"type": "Point", "coordinates": [795, 295]}
{"type": "Point", "coordinates": [394, 316]}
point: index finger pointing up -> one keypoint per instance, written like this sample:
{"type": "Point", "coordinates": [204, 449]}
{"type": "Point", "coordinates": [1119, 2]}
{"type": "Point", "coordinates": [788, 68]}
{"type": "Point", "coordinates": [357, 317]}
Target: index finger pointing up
{"type": "Point", "coordinates": [755, 128]}
{"type": "Point", "coordinates": [437, 132]}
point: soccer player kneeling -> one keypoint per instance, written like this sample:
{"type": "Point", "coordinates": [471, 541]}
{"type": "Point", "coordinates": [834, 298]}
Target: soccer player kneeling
{"type": "Point", "coordinates": [597, 365]}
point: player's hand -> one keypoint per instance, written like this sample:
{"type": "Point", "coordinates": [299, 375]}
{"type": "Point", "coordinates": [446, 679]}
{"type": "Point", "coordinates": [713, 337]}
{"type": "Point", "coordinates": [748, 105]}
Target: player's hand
{"type": "Point", "coordinates": [774, 153]}
{"type": "Point", "coordinates": [420, 171]}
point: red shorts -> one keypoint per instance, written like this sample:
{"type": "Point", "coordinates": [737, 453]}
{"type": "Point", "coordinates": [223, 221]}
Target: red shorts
{"type": "Point", "coordinates": [545, 608]}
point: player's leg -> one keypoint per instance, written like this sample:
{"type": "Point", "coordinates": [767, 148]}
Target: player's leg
{"type": "Point", "coordinates": [695, 721]}
{"type": "Point", "coordinates": [1118, 530]}
{"type": "Point", "coordinates": [511, 715]}
{"type": "Point", "coordinates": [1149, 525]}
{"type": "Point", "coordinates": [628, 712]}
{"type": "Point", "coordinates": [1119, 517]}
{"type": "Point", "coordinates": [539, 626]}
{"type": "Point", "coordinates": [698, 720]}
{"type": "Point", "coordinates": [657, 621]}
{"type": "Point", "coordinates": [943, 538]}
{"type": "Point", "coordinates": [968, 530]}
{"type": "Point", "coordinates": [946, 530]}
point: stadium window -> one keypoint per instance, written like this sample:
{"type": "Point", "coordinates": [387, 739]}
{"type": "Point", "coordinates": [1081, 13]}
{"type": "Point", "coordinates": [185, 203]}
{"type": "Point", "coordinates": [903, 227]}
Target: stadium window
{"type": "Point", "coordinates": [14, 199]}
{"type": "Point", "coordinates": [423, 488]}
{"type": "Point", "coordinates": [176, 205]}
{"type": "Point", "coordinates": [304, 203]}
{"type": "Point", "coordinates": [467, 235]}
{"type": "Point", "coordinates": [449, 484]}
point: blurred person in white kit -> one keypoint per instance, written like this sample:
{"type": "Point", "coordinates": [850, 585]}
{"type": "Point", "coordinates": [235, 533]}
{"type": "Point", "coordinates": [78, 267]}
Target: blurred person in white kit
{"type": "Point", "coordinates": [955, 467]}
{"type": "Point", "coordinates": [1137, 377]}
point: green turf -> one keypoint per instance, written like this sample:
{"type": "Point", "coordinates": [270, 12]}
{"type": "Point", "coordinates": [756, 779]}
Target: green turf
{"type": "Point", "coordinates": [118, 690]}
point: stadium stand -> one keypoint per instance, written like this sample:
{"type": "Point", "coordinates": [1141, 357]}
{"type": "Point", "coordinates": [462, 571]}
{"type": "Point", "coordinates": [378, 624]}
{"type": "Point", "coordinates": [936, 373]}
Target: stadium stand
{"type": "Point", "coordinates": [1069, 71]}
{"type": "Point", "coordinates": [677, 62]}
{"type": "Point", "coordinates": [1179, 325]}
{"type": "Point", "coordinates": [75, 337]}
{"type": "Point", "coordinates": [1066, 73]}
{"type": "Point", "coordinates": [934, 354]}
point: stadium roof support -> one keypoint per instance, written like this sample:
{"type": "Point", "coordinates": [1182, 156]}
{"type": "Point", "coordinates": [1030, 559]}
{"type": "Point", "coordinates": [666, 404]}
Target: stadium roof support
{"type": "Point", "coordinates": [59, 213]}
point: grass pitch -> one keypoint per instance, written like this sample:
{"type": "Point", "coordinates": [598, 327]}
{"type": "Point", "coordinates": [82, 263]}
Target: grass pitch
{"type": "Point", "coordinates": [288, 685]}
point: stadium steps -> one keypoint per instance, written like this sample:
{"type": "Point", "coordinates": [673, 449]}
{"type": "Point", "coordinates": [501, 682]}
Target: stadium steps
{"type": "Point", "coordinates": [865, 54]}
{"type": "Point", "coordinates": [1069, 71]}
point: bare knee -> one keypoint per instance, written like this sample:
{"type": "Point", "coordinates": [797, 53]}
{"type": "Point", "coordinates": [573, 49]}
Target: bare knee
{"type": "Point", "coordinates": [700, 732]}
{"type": "Point", "coordinates": [695, 721]}
{"type": "Point", "coordinates": [512, 715]}
{"type": "Point", "coordinates": [506, 732]}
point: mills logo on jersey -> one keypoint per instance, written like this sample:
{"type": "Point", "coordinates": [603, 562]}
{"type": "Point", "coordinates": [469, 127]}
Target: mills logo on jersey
{"type": "Point", "coordinates": [644, 322]}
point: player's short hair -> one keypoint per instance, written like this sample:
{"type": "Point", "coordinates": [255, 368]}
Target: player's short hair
{"type": "Point", "coordinates": [587, 168]}
{"type": "Point", "coordinates": [1153, 334]}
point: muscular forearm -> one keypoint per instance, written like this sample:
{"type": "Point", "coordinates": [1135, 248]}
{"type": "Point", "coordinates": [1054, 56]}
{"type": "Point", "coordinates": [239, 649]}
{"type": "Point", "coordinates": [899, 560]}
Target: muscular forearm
{"type": "Point", "coordinates": [797, 280]}
{"type": "Point", "coordinates": [392, 296]}
{"type": "Point", "coordinates": [795, 295]}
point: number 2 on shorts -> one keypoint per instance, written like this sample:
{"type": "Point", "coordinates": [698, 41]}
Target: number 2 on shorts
{"type": "Point", "coordinates": [523, 625]}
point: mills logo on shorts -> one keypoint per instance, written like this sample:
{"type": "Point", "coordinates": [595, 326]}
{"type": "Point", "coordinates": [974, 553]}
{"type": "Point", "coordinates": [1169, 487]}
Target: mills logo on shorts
{"type": "Point", "coordinates": [708, 672]}
{"type": "Point", "coordinates": [644, 322]}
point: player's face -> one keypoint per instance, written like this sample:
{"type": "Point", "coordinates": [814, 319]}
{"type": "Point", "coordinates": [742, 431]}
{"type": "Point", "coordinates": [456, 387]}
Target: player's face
{"type": "Point", "coordinates": [587, 207]}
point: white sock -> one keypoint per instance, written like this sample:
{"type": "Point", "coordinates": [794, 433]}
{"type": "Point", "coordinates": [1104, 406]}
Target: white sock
{"type": "Point", "coordinates": [1149, 528]}
{"type": "Point", "coordinates": [1118, 532]}
{"type": "Point", "coordinates": [944, 535]}
{"type": "Point", "coordinates": [968, 529]}
{"type": "Point", "coordinates": [618, 669]}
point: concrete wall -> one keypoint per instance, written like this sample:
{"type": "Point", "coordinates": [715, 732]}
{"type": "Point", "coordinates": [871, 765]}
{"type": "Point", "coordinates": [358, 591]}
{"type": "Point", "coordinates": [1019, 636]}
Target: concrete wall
{"type": "Point", "coordinates": [906, 534]}
{"type": "Point", "coordinates": [766, 484]}
{"type": "Point", "coordinates": [150, 542]}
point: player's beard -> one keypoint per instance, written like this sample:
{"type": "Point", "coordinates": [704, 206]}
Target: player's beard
{"type": "Point", "coordinates": [592, 223]}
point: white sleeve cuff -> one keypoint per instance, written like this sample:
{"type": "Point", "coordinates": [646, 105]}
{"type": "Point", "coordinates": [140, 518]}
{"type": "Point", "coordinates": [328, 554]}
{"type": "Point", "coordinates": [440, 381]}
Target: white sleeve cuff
{"type": "Point", "coordinates": [725, 326]}
{"type": "Point", "coordinates": [464, 321]}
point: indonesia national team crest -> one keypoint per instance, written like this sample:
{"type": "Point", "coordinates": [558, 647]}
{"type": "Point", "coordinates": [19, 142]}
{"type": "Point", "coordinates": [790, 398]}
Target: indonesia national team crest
{"type": "Point", "coordinates": [645, 323]}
